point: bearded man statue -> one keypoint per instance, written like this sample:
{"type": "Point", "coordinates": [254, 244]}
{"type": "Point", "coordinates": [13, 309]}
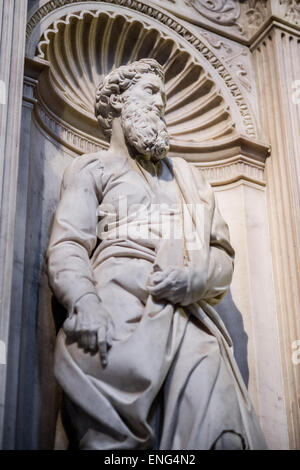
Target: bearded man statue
{"type": "Point", "coordinates": [138, 256]}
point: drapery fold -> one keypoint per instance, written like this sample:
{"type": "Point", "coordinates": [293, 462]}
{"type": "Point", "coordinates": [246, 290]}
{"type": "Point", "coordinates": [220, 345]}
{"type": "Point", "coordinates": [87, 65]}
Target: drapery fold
{"type": "Point", "coordinates": [112, 408]}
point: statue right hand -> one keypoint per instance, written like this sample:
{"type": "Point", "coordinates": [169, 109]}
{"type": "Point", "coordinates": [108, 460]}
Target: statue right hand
{"type": "Point", "coordinates": [91, 326]}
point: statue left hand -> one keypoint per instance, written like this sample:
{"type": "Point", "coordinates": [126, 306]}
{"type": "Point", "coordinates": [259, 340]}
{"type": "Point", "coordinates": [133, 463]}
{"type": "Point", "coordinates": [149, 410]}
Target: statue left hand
{"type": "Point", "coordinates": [170, 284]}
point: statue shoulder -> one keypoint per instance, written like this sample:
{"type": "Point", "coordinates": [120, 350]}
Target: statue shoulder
{"type": "Point", "coordinates": [83, 166]}
{"type": "Point", "coordinates": [181, 165]}
{"type": "Point", "coordinates": [188, 172]}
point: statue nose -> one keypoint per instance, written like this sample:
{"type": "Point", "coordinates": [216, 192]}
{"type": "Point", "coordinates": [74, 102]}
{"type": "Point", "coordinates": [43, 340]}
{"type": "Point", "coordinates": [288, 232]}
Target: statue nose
{"type": "Point", "coordinates": [159, 103]}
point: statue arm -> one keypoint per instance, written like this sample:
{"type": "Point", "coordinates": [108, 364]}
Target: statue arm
{"type": "Point", "coordinates": [73, 236]}
{"type": "Point", "coordinates": [211, 282]}
{"type": "Point", "coordinates": [209, 275]}
{"type": "Point", "coordinates": [221, 261]}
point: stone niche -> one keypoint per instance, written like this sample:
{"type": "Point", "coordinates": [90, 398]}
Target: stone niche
{"type": "Point", "coordinates": [213, 120]}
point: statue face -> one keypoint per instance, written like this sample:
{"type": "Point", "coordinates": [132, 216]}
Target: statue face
{"type": "Point", "coordinates": [143, 117]}
{"type": "Point", "coordinates": [150, 92]}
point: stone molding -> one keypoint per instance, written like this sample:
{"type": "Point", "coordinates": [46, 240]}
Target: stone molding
{"type": "Point", "coordinates": [65, 134]}
{"type": "Point", "coordinates": [29, 90]}
{"type": "Point", "coordinates": [239, 168]}
{"type": "Point", "coordinates": [274, 23]}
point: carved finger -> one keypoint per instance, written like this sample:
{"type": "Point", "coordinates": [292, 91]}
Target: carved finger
{"type": "Point", "coordinates": [69, 325]}
{"type": "Point", "coordinates": [163, 287]}
{"type": "Point", "coordinates": [110, 334]}
{"type": "Point", "coordinates": [93, 344]}
{"type": "Point", "coordinates": [102, 345]}
{"type": "Point", "coordinates": [103, 353]}
{"type": "Point", "coordinates": [159, 293]}
{"type": "Point", "coordinates": [155, 278]}
{"type": "Point", "coordinates": [84, 340]}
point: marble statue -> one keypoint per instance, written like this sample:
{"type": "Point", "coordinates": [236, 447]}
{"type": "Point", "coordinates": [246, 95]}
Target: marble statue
{"type": "Point", "coordinates": [139, 255]}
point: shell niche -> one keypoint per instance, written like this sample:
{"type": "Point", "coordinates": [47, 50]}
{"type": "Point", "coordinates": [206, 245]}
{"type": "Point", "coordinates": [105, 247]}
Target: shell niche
{"type": "Point", "coordinates": [81, 47]}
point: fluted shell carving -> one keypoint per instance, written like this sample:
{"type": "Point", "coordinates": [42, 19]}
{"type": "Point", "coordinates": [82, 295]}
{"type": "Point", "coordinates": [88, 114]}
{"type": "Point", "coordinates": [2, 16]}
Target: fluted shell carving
{"type": "Point", "coordinates": [82, 47]}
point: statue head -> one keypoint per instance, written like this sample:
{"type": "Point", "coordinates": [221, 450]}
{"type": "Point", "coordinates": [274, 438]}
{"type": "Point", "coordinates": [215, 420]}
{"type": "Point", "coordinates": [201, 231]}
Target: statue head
{"type": "Point", "coordinates": [135, 92]}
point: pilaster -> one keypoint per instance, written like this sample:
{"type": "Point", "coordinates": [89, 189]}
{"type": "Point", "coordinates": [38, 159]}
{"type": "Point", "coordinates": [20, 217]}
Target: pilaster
{"type": "Point", "coordinates": [12, 45]}
{"type": "Point", "coordinates": [276, 56]}
{"type": "Point", "coordinates": [17, 406]}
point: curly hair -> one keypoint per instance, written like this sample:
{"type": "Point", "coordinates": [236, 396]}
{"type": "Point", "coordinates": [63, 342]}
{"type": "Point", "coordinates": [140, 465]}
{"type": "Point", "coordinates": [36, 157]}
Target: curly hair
{"type": "Point", "coordinates": [117, 82]}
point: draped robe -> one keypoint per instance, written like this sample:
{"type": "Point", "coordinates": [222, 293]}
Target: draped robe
{"type": "Point", "coordinates": [171, 379]}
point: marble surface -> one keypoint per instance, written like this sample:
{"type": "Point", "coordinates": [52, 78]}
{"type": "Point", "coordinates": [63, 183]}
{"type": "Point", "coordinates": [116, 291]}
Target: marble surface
{"type": "Point", "coordinates": [140, 302]}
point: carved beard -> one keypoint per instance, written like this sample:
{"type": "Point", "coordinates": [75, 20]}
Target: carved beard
{"type": "Point", "coordinates": [145, 130]}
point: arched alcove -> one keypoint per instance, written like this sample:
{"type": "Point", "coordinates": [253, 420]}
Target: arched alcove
{"type": "Point", "coordinates": [58, 29]}
{"type": "Point", "coordinates": [83, 46]}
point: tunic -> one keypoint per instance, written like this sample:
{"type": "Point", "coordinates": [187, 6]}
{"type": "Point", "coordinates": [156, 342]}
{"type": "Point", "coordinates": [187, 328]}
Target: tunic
{"type": "Point", "coordinates": [171, 377]}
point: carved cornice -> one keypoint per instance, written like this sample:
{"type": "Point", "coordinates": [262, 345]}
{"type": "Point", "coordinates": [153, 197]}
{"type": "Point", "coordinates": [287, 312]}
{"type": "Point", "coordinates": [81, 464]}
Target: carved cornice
{"type": "Point", "coordinates": [274, 25]}
{"type": "Point", "coordinates": [232, 170]}
{"type": "Point", "coordinates": [32, 71]}
{"type": "Point", "coordinates": [246, 162]}
{"type": "Point", "coordinates": [65, 134]}
{"type": "Point", "coordinates": [28, 90]}
{"type": "Point", "coordinates": [181, 31]}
